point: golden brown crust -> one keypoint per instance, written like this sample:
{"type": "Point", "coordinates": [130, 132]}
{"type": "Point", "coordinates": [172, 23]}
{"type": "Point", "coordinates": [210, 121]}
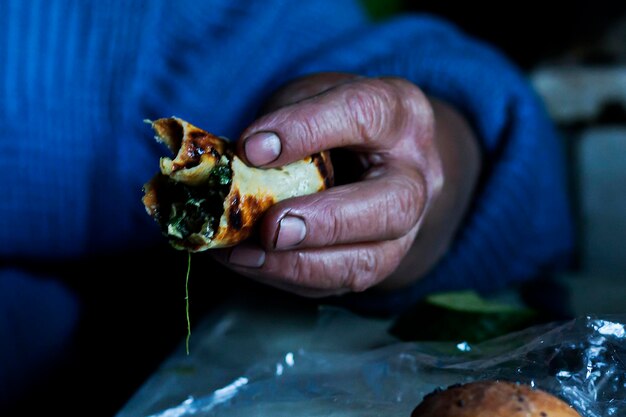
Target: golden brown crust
{"type": "Point", "coordinates": [179, 136]}
{"type": "Point", "coordinates": [325, 168]}
{"type": "Point", "coordinates": [249, 194]}
{"type": "Point", "coordinates": [242, 211]}
{"type": "Point", "coordinates": [195, 151]}
{"type": "Point", "coordinates": [492, 399]}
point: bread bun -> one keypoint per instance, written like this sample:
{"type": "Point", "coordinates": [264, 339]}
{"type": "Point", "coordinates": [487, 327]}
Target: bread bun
{"type": "Point", "coordinates": [492, 399]}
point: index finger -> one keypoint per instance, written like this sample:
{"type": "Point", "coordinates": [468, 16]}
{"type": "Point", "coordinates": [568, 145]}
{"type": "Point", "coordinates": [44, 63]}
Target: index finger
{"type": "Point", "coordinates": [365, 114]}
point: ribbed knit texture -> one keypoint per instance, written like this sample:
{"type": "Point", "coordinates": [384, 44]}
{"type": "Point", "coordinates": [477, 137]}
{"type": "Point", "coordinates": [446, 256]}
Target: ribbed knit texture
{"type": "Point", "coordinates": [78, 77]}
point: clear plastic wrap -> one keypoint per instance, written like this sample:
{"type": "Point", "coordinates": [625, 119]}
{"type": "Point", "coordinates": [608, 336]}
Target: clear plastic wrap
{"type": "Point", "coordinates": [247, 362]}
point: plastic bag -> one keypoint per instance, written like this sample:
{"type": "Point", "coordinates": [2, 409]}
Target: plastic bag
{"type": "Point", "coordinates": [249, 362]}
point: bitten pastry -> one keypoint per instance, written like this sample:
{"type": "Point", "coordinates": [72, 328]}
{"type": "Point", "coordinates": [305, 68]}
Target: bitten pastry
{"type": "Point", "coordinates": [492, 398]}
{"type": "Point", "coordinates": [206, 197]}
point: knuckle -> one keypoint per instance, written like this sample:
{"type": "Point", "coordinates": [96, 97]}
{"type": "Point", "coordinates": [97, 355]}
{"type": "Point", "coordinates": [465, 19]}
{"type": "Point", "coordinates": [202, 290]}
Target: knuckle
{"type": "Point", "coordinates": [372, 104]}
{"type": "Point", "coordinates": [404, 206]}
{"type": "Point", "coordinates": [335, 228]}
{"type": "Point", "coordinates": [414, 102]}
{"type": "Point", "coordinates": [300, 270]}
{"type": "Point", "coordinates": [331, 225]}
{"type": "Point", "coordinates": [306, 133]}
{"type": "Point", "coordinates": [406, 89]}
{"type": "Point", "coordinates": [310, 273]}
{"type": "Point", "coordinates": [363, 271]}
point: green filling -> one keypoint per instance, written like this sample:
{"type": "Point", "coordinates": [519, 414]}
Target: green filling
{"type": "Point", "coordinates": [195, 209]}
{"type": "Point", "coordinates": [221, 175]}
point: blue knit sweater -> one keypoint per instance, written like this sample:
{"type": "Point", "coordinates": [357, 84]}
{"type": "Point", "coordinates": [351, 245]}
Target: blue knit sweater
{"type": "Point", "coordinates": [78, 77]}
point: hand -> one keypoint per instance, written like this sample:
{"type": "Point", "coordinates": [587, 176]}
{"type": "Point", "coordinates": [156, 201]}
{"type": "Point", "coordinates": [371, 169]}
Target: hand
{"type": "Point", "coordinates": [419, 162]}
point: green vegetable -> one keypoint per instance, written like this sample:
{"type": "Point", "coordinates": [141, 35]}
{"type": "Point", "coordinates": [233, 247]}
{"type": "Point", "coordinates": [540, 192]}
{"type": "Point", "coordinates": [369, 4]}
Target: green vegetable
{"type": "Point", "coordinates": [461, 316]}
{"type": "Point", "coordinates": [221, 175]}
{"type": "Point", "coordinates": [195, 209]}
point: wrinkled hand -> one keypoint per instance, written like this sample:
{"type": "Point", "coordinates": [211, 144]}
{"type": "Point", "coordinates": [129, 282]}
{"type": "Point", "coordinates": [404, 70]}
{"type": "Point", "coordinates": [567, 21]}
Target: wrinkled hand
{"type": "Point", "coordinates": [357, 235]}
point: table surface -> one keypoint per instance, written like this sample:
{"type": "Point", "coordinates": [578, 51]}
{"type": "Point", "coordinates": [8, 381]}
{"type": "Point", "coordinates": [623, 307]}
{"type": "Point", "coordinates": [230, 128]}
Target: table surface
{"type": "Point", "coordinates": [226, 343]}
{"type": "Point", "coordinates": [245, 338]}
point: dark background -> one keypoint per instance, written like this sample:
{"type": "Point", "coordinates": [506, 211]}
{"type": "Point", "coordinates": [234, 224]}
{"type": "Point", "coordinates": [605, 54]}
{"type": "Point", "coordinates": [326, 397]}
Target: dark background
{"type": "Point", "coordinates": [529, 32]}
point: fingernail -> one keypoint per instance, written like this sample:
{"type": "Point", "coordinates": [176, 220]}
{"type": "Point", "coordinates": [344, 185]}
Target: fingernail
{"type": "Point", "coordinates": [262, 148]}
{"type": "Point", "coordinates": [291, 231]}
{"type": "Point", "coordinates": [247, 256]}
